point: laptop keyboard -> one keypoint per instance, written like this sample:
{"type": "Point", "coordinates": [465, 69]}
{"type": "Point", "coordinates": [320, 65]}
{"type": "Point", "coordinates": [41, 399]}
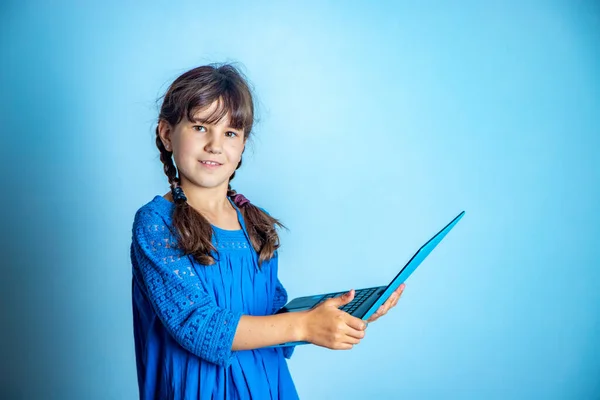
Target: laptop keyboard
{"type": "Point", "coordinates": [359, 298]}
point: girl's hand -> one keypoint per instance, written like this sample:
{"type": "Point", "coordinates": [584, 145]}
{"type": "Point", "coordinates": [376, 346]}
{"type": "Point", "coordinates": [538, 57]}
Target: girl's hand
{"type": "Point", "coordinates": [328, 326]}
{"type": "Point", "coordinates": [389, 303]}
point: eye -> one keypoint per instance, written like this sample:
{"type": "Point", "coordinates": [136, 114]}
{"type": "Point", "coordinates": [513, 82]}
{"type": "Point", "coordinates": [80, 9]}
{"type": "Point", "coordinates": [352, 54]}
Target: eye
{"type": "Point", "coordinates": [199, 128]}
{"type": "Point", "coordinates": [231, 134]}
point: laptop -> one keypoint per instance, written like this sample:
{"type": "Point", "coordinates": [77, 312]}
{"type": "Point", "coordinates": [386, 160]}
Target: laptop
{"type": "Point", "coordinates": [367, 301]}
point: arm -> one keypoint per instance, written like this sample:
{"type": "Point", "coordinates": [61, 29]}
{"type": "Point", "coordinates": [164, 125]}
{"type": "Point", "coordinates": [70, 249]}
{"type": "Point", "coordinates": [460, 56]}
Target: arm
{"type": "Point", "coordinates": [189, 314]}
{"type": "Point", "coordinates": [256, 332]}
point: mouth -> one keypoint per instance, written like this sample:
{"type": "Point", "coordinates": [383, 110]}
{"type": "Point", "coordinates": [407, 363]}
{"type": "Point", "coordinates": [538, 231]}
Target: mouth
{"type": "Point", "coordinates": [210, 163]}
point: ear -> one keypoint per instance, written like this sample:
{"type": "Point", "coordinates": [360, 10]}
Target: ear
{"type": "Point", "coordinates": [165, 131]}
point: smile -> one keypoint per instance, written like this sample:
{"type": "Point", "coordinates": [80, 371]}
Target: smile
{"type": "Point", "coordinates": [210, 163]}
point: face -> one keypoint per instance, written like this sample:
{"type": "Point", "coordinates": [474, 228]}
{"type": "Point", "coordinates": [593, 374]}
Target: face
{"type": "Point", "coordinates": [206, 155]}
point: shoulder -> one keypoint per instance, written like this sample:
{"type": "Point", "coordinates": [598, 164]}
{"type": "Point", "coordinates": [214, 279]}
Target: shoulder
{"type": "Point", "coordinates": [157, 211]}
{"type": "Point", "coordinates": [153, 230]}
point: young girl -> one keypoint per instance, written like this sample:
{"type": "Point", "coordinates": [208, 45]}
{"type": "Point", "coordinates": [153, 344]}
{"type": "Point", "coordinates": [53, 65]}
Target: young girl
{"type": "Point", "coordinates": [205, 284]}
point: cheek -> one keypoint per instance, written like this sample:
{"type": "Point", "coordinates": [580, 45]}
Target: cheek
{"type": "Point", "coordinates": [234, 152]}
{"type": "Point", "coordinates": [184, 159]}
{"type": "Point", "coordinates": [185, 148]}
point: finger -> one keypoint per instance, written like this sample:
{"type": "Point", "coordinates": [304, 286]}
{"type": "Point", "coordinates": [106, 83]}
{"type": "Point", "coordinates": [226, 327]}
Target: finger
{"type": "Point", "coordinates": [342, 343]}
{"type": "Point", "coordinates": [351, 340]}
{"type": "Point", "coordinates": [354, 327]}
{"type": "Point", "coordinates": [387, 305]}
{"type": "Point", "coordinates": [354, 333]}
{"type": "Point", "coordinates": [341, 300]}
{"type": "Point", "coordinates": [379, 313]}
{"type": "Point", "coordinates": [383, 309]}
{"type": "Point", "coordinates": [400, 289]}
{"type": "Point", "coordinates": [396, 293]}
{"type": "Point", "coordinates": [355, 323]}
{"type": "Point", "coordinates": [390, 300]}
{"type": "Point", "coordinates": [397, 298]}
{"type": "Point", "coordinates": [338, 346]}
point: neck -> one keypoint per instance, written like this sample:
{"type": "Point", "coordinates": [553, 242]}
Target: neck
{"type": "Point", "coordinates": [212, 200]}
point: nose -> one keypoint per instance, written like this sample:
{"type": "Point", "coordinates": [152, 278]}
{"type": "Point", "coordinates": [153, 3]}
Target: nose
{"type": "Point", "coordinates": [214, 144]}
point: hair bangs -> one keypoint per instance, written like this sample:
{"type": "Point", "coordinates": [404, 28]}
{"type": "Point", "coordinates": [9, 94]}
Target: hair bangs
{"type": "Point", "coordinates": [231, 102]}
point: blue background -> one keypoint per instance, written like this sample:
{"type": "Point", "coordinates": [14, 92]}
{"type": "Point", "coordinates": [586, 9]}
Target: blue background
{"type": "Point", "coordinates": [378, 123]}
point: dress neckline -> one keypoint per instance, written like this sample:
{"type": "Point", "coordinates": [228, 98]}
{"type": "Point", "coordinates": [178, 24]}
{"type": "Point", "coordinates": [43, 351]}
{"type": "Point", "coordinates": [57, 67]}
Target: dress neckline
{"type": "Point", "coordinates": [167, 207]}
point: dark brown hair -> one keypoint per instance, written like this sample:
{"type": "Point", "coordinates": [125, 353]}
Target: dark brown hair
{"type": "Point", "coordinates": [196, 90]}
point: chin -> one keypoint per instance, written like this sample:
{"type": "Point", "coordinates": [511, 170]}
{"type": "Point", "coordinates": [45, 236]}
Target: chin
{"type": "Point", "coordinates": [210, 183]}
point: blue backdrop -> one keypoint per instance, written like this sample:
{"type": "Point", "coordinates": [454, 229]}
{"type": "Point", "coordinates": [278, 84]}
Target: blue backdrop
{"type": "Point", "coordinates": [378, 123]}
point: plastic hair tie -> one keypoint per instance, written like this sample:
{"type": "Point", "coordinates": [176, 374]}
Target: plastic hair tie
{"type": "Point", "coordinates": [240, 200]}
{"type": "Point", "coordinates": [178, 194]}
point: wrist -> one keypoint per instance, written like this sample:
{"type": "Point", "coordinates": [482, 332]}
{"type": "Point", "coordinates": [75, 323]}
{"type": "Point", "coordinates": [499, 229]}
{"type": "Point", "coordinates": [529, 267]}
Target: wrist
{"type": "Point", "coordinates": [301, 326]}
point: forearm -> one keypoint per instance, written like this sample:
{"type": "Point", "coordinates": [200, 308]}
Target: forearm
{"type": "Point", "coordinates": [255, 332]}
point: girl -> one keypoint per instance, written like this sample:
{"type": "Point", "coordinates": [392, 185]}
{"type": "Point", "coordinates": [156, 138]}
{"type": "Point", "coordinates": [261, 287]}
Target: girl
{"type": "Point", "coordinates": [204, 259]}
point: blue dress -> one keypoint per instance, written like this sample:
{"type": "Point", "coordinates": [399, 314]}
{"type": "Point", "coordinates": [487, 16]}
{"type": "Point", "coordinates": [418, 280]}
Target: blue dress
{"type": "Point", "coordinates": [185, 315]}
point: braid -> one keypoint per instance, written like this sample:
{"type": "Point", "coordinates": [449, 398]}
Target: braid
{"type": "Point", "coordinates": [261, 226]}
{"type": "Point", "coordinates": [167, 160]}
{"type": "Point", "coordinates": [193, 231]}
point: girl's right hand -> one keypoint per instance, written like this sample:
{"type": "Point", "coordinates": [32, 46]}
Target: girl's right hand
{"type": "Point", "coordinates": [328, 326]}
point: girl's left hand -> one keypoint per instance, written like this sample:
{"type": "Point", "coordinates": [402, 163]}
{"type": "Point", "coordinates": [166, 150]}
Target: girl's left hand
{"type": "Point", "coordinates": [389, 303]}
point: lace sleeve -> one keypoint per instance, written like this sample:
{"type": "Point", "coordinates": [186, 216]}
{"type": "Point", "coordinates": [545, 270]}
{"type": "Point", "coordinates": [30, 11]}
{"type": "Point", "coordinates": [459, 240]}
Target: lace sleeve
{"type": "Point", "coordinates": [168, 277]}
{"type": "Point", "coordinates": [280, 298]}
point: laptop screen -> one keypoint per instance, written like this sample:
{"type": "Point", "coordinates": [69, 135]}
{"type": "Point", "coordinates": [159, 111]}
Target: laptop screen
{"type": "Point", "coordinates": [423, 252]}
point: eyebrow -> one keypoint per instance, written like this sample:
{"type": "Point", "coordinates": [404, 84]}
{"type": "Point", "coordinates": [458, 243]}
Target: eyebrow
{"type": "Point", "coordinates": [198, 120]}
{"type": "Point", "coordinates": [205, 121]}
